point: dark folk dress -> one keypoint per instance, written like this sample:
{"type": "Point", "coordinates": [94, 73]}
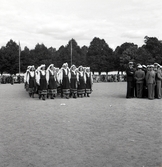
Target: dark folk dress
{"type": "Point", "coordinates": [32, 83]}
{"type": "Point", "coordinates": [43, 82]}
{"type": "Point", "coordinates": [81, 85]}
{"type": "Point", "coordinates": [88, 83]}
{"type": "Point", "coordinates": [52, 86]}
{"type": "Point", "coordinates": [73, 83]}
{"type": "Point", "coordinates": [65, 83]}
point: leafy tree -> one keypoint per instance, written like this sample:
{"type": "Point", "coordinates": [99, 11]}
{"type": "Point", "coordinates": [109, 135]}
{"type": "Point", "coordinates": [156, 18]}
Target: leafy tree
{"type": "Point", "coordinates": [144, 57]}
{"type": "Point", "coordinates": [26, 59]}
{"type": "Point", "coordinates": [41, 55]}
{"type": "Point", "coordinates": [123, 55]}
{"type": "Point", "coordinates": [83, 57]}
{"type": "Point", "coordinates": [63, 56]}
{"type": "Point", "coordinates": [10, 58]}
{"type": "Point", "coordinates": [154, 47]}
{"type": "Point", "coordinates": [99, 55]}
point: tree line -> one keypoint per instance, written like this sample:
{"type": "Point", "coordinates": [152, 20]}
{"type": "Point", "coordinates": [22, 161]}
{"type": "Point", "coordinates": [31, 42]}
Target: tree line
{"type": "Point", "coordinates": [98, 56]}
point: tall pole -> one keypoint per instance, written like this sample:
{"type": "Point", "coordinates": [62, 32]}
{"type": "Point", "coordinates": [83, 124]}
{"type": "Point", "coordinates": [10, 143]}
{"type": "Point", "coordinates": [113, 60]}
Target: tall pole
{"type": "Point", "coordinates": [71, 53]}
{"type": "Point", "coordinates": [19, 58]}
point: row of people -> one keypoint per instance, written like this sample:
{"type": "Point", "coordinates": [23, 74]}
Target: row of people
{"type": "Point", "coordinates": [144, 81]}
{"type": "Point", "coordinates": [69, 82]}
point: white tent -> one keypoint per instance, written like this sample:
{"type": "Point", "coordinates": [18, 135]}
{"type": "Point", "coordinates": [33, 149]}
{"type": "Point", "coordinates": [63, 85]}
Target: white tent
{"type": "Point", "coordinates": [115, 73]}
{"type": "Point", "coordinates": [96, 73]}
{"type": "Point", "coordinates": [103, 73]}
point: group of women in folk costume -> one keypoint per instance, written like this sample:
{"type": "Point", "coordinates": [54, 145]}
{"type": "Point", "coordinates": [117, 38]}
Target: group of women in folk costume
{"type": "Point", "coordinates": [69, 82]}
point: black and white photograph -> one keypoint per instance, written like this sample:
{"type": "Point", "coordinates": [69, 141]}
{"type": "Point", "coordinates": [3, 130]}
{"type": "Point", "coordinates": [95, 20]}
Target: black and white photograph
{"type": "Point", "coordinates": [80, 83]}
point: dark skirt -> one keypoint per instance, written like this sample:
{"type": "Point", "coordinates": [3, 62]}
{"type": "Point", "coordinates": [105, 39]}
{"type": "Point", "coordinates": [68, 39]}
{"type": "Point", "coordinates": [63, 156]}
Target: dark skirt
{"type": "Point", "coordinates": [81, 86]}
{"type": "Point", "coordinates": [73, 85]}
{"type": "Point", "coordinates": [65, 85]}
{"type": "Point", "coordinates": [88, 86]}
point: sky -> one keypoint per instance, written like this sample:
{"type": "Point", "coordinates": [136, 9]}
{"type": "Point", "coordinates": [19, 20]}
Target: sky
{"type": "Point", "coordinates": [55, 22]}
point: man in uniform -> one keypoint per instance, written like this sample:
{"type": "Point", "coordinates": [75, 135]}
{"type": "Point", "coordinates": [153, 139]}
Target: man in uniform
{"type": "Point", "coordinates": [139, 77]}
{"type": "Point", "coordinates": [130, 80]}
{"type": "Point", "coordinates": [150, 81]}
{"type": "Point", "coordinates": [158, 81]}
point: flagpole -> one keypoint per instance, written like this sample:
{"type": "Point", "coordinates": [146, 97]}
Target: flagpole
{"type": "Point", "coordinates": [71, 52]}
{"type": "Point", "coordinates": [19, 58]}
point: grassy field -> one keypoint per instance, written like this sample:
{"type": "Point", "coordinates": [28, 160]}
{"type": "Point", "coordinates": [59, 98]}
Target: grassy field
{"type": "Point", "coordinates": [105, 130]}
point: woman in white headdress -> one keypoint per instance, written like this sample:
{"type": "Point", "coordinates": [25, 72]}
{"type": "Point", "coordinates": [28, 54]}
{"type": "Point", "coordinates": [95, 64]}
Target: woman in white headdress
{"type": "Point", "coordinates": [51, 80]}
{"type": "Point", "coordinates": [42, 82]}
{"type": "Point", "coordinates": [26, 86]}
{"type": "Point", "coordinates": [31, 81]}
{"type": "Point", "coordinates": [81, 81]}
{"type": "Point", "coordinates": [89, 81]}
{"type": "Point", "coordinates": [73, 81]}
{"type": "Point", "coordinates": [65, 81]}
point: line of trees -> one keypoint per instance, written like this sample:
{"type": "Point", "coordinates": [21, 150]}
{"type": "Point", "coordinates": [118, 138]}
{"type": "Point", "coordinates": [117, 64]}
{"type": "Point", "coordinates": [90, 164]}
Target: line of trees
{"type": "Point", "coordinates": [99, 56]}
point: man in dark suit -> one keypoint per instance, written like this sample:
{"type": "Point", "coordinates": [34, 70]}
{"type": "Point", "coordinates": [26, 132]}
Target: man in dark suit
{"type": "Point", "coordinates": [130, 80]}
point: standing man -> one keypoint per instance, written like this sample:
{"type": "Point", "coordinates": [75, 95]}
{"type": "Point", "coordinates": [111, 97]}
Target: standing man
{"type": "Point", "coordinates": [130, 80]}
{"type": "Point", "coordinates": [139, 77]}
{"type": "Point", "coordinates": [158, 81]}
{"type": "Point", "coordinates": [150, 81]}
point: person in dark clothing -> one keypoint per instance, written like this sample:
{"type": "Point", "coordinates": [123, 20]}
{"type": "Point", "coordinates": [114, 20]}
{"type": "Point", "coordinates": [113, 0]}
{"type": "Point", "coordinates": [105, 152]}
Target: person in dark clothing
{"type": "Point", "coordinates": [31, 81]}
{"type": "Point", "coordinates": [89, 81]}
{"type": "Point", "coordinates": [73, 81]}
{"type": "Point", "coordinates": [52, 81]}
{"type": "Point", "coordinates": [81, 81]}
{"type": "Point", "coordinates": [42, 82]}
{"type": "Point", "coordinates": [65, 80]}
{"type": "Point", "coordinates": [130, 80]}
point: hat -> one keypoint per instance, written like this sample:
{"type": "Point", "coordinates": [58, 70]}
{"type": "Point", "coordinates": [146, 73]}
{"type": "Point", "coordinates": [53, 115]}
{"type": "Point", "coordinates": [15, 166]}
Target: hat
{"type": "Point", "coordinates": [139, 66]}
{"type": "Point", "coordinates": [130, 63]}
{"type": "Point", "coordinates": [144, 66]}
{"type": "Point", "coordinates": [152, 66]}
{"type": "Point", "coordinates": [148, 66]}
{"type": "Point", "coordinates": [155, 64]}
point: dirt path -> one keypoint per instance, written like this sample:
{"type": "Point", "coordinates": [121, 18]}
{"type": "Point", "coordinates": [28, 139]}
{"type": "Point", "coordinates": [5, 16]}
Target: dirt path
{"type": "Point", "coordinates": [105, 130]}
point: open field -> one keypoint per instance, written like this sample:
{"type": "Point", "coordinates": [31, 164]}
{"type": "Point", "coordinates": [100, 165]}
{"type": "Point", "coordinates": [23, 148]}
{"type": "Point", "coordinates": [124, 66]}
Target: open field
{"type": "Point", "coordinates": [105, 130]}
